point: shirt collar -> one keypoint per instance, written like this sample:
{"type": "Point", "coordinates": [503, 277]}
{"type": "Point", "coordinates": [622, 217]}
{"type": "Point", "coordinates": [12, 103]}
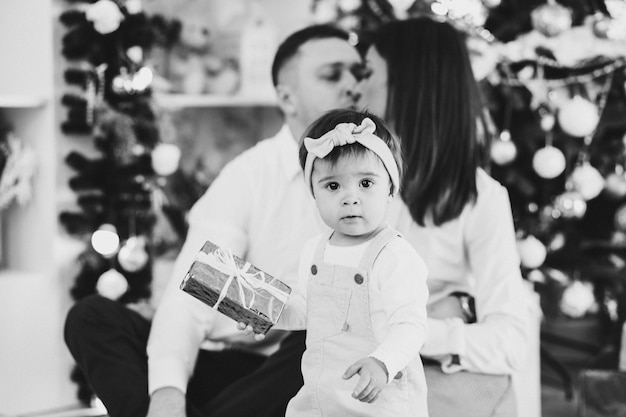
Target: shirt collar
{"type": "Point", "coordinates": [289, 150]}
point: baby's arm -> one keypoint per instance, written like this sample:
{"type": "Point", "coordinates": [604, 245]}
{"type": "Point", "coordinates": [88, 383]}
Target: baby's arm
{"type": "Point", "coordinates": [399, 276]}
{"type": "Point", "coordinates": [293, 316]}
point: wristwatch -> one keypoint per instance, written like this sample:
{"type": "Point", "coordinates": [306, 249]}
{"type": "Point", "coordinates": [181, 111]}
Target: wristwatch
{"type": "Point", "coordinates": [466, 302]}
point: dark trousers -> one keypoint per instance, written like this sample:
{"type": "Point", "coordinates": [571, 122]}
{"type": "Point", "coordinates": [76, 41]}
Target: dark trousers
{"type": "Point", "coordinates": [108, 342]}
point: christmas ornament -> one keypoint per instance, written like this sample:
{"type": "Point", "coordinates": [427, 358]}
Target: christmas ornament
{"type": "Point", "coordinates": [616, 183]}
{"type": "Point", "coordinates": [135, 54]}
{"type": "Point", "coordinates": [105, 240]}
{"type": "Point", "coordinates": [503, 149]}
{"type": "Point", "coordinates": [122, 83]}
{"type": "Point", "coordinates": [536, 276]}
{"type": "Point", "coordinates": [132, 256]}
{"type": "Point", "coordinates": [142, 80]}
{"type": "Point", "coordinates": [547, 122]}
{"type": "Point", "coordinates": [105, 16]}
{"type": "Point", "coordinates": [551, 19]}
{"type": "Point", "coordinates": [570, 204]}
{"type": "Point", "coordinates": [349, 6]}
{"type": "Point", "coordinates": [492, 3]}
{"type": "Point", "coordinates": [549, 162]}
{"type": "Point", "coordinates": [577, 299]}
{"type": "Point", "coordinates": [620, 218]}
{"type": "Point", "coordinates": [556, 242]}
{"type": "Point", "coordinates": [133, 6]}
{"type": "Point", "coordinates": [165, 158]}
{"type": "Point", "coordinates": [587, 180]}
{"type": "Point", "coordinates": [578, 117]}
{"type": "Point", "coordinates": [601, 25]}
{"type": "Point", "coordinates": [401, 7]}
{"type": "Point", "coordinates": [325, 11]}
{"type": "Point", "coordinates": [531, 251]}
{"type": "Point", "coordinates": [112, 285]}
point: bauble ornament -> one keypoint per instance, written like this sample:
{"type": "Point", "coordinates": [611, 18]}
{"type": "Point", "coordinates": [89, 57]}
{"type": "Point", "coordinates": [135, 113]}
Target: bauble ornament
{"type": "Point", "coordinates": [570, 205]}
{"type": "Point", "coordinates": [503, 149]}
{"type": "Point", "coordinates": [616, 185]}
{"type": "Point", "coordinates": [133, 256]}
{"type": "Point", "coordinates": [531, 251]}
{"type": "Point", "coordinates": [112, 285]}
{"type": "Point", "coordinates": [577, 299]}
{"type": "Point", "coordinates": [549, 162]}
{"type": "Point", "coordinates": [601, 26]}
{"type": "Point", "coordinates": [551, 19]}
{"type": "Point", "coordinates": [105, 15]}
{"type": "Point", "coordinates": [547, 122]}
{"type": "Point", "coordinates": [491, 3]}
{"type": "Point", "coordinates": [105, 240]}
{"type": "Point", "coordinates": [557, 242]}
{"type": "Point", "coordinates": [165, 158]}
{"type": "Point", "coordinates": [620, 218]}
{"type": "Point", "coordinates": [587, 181]}
{"type": "Point", "coordinates": [578, 116]}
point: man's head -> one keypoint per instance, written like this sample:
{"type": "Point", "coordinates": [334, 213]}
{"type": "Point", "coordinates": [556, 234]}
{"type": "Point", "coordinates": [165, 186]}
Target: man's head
{"type": "Point", "coordinates": [315, 70]}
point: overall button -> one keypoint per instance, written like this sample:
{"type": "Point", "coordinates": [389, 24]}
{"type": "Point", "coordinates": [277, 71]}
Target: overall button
{"type": "Point", "coordinates": [358, 278]}
{"type": "Point", "coordinates": [314, 269]}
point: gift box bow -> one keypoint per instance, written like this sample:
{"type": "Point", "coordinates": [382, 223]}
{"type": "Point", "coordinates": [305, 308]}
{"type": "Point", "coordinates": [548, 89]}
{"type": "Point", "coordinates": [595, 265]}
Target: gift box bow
{"type": "Point", "coordinates": [223, 260]}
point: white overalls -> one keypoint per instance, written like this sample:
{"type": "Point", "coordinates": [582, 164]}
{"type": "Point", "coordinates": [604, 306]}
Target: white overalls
{"type": "Point", "coordinates": [339, 332]}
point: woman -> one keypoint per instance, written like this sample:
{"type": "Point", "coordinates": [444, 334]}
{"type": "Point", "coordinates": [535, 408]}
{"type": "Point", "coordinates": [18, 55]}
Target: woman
{"type": "Point", "coordinates": [456, 216]}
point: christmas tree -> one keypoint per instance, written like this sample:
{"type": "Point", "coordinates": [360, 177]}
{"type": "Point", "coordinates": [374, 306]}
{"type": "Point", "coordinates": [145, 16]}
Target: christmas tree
{"type": "Point", "coordinates": [127, 212]}
{"type": "Point", "coordinates": [553, 78]}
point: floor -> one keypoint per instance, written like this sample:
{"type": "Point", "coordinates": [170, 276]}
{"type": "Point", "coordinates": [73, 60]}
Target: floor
{"type": "Point", "coordinates": [554, 403]}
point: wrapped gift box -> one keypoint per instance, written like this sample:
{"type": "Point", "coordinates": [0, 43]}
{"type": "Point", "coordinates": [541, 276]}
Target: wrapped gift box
{"type": "Point", "coordinates": [236, 288]}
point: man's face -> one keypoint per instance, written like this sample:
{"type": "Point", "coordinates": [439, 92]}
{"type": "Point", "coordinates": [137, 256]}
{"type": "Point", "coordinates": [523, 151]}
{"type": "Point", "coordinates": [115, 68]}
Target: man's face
{"type": "Point", "coordinates": [321, 77]}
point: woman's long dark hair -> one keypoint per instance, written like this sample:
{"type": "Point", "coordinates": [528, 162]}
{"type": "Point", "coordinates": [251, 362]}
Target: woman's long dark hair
{"type": "Point", "coordinates": [433, 104]}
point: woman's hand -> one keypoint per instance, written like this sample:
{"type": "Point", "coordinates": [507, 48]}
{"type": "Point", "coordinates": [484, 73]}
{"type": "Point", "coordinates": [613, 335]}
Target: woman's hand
{"type": "Point", "coordinates": [454, 305]}
{"type": "Point", "coordinates": [248, 330]}
{"type": "Point", "coordinates": [373, 378]}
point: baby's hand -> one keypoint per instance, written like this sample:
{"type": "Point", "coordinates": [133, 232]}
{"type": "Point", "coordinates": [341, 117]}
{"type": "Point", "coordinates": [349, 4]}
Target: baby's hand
{"type": "Point", "coordinates": [247, 329]}
{"type": "Point", "coordinates": [373, 378]}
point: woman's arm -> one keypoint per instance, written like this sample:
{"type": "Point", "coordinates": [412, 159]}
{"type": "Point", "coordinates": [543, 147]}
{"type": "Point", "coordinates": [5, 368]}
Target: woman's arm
{"type": "Point", "coordinates": [497, 342]}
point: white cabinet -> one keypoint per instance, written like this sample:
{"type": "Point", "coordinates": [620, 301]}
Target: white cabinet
{"type": "Point", "coordinates": [34, 362]}
{"type": "Point", "coordinates": [27, 105]}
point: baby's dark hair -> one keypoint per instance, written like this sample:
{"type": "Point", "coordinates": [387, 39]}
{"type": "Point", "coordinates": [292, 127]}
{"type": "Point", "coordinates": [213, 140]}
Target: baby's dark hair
{"type": "Point", "coordinates": [329, 120]}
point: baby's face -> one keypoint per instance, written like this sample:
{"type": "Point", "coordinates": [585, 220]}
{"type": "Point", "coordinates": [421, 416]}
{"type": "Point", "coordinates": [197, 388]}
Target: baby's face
{"type": "Point", "coordinates": [352, 196]}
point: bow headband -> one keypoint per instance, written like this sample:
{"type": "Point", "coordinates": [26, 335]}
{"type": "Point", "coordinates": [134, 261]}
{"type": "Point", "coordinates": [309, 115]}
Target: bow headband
{"type": "Point", "coordinates": [347, 133]}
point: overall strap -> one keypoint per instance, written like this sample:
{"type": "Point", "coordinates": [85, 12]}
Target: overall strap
{"type": "Point", "coordinates": [376, 245]}
{"type": "Point", "coordinates": [318, 256]}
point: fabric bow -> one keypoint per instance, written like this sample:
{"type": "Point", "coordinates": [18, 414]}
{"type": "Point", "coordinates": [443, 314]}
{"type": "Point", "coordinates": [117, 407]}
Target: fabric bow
{"type": "Point", "coordinates": [342, 134]}
{"type": "Point", "coordinates": [345, 134]}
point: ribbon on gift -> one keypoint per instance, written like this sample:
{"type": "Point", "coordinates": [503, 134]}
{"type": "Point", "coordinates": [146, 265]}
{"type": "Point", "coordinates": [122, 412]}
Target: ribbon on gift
{"type": "Point", "coordinates": [224, 261]}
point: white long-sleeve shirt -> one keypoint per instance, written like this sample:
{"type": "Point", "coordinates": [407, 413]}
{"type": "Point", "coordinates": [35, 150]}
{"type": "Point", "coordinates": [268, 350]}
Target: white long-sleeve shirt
{"type": "Point", "coordinates": [397, 294]}
{"type": "Point", "coordinates": [474, 253]}
{"type": "Point", "coordinates": [259, 208]}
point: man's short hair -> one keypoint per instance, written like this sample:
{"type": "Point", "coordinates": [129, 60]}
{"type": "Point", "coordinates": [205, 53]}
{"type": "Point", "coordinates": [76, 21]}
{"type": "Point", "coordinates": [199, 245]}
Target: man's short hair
{"type": "Point", "coordinates": [289, 47]}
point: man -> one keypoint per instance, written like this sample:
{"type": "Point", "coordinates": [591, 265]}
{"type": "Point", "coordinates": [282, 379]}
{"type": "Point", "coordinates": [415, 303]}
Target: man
{"type": "Point", "coordinates": [199, 364]}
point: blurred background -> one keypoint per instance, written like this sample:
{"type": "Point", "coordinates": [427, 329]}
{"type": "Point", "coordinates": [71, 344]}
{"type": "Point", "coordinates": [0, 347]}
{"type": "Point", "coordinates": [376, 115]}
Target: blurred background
{"type": "Point", "coordinates": [116, 115]}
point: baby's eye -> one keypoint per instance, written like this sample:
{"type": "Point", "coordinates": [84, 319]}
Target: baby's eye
{"type": "Point", "coordinates": [332, 186]}
{"type": "Point", "coordinates": [366, 183]}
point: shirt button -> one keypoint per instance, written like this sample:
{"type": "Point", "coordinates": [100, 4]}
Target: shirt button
{"type": "Point", "coordinates": [398, 375]}
{"type": "Point", "coordinates": [358, 278]}
{"type": "Point", "coordinates": [314, 269]}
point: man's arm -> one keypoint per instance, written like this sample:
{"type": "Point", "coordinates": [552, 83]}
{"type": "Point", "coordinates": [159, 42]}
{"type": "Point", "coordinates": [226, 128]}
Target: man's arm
{"type": "Point", "coordinates": [167, 402]}
{"type": "Point", "coordinates": [182, 323]}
